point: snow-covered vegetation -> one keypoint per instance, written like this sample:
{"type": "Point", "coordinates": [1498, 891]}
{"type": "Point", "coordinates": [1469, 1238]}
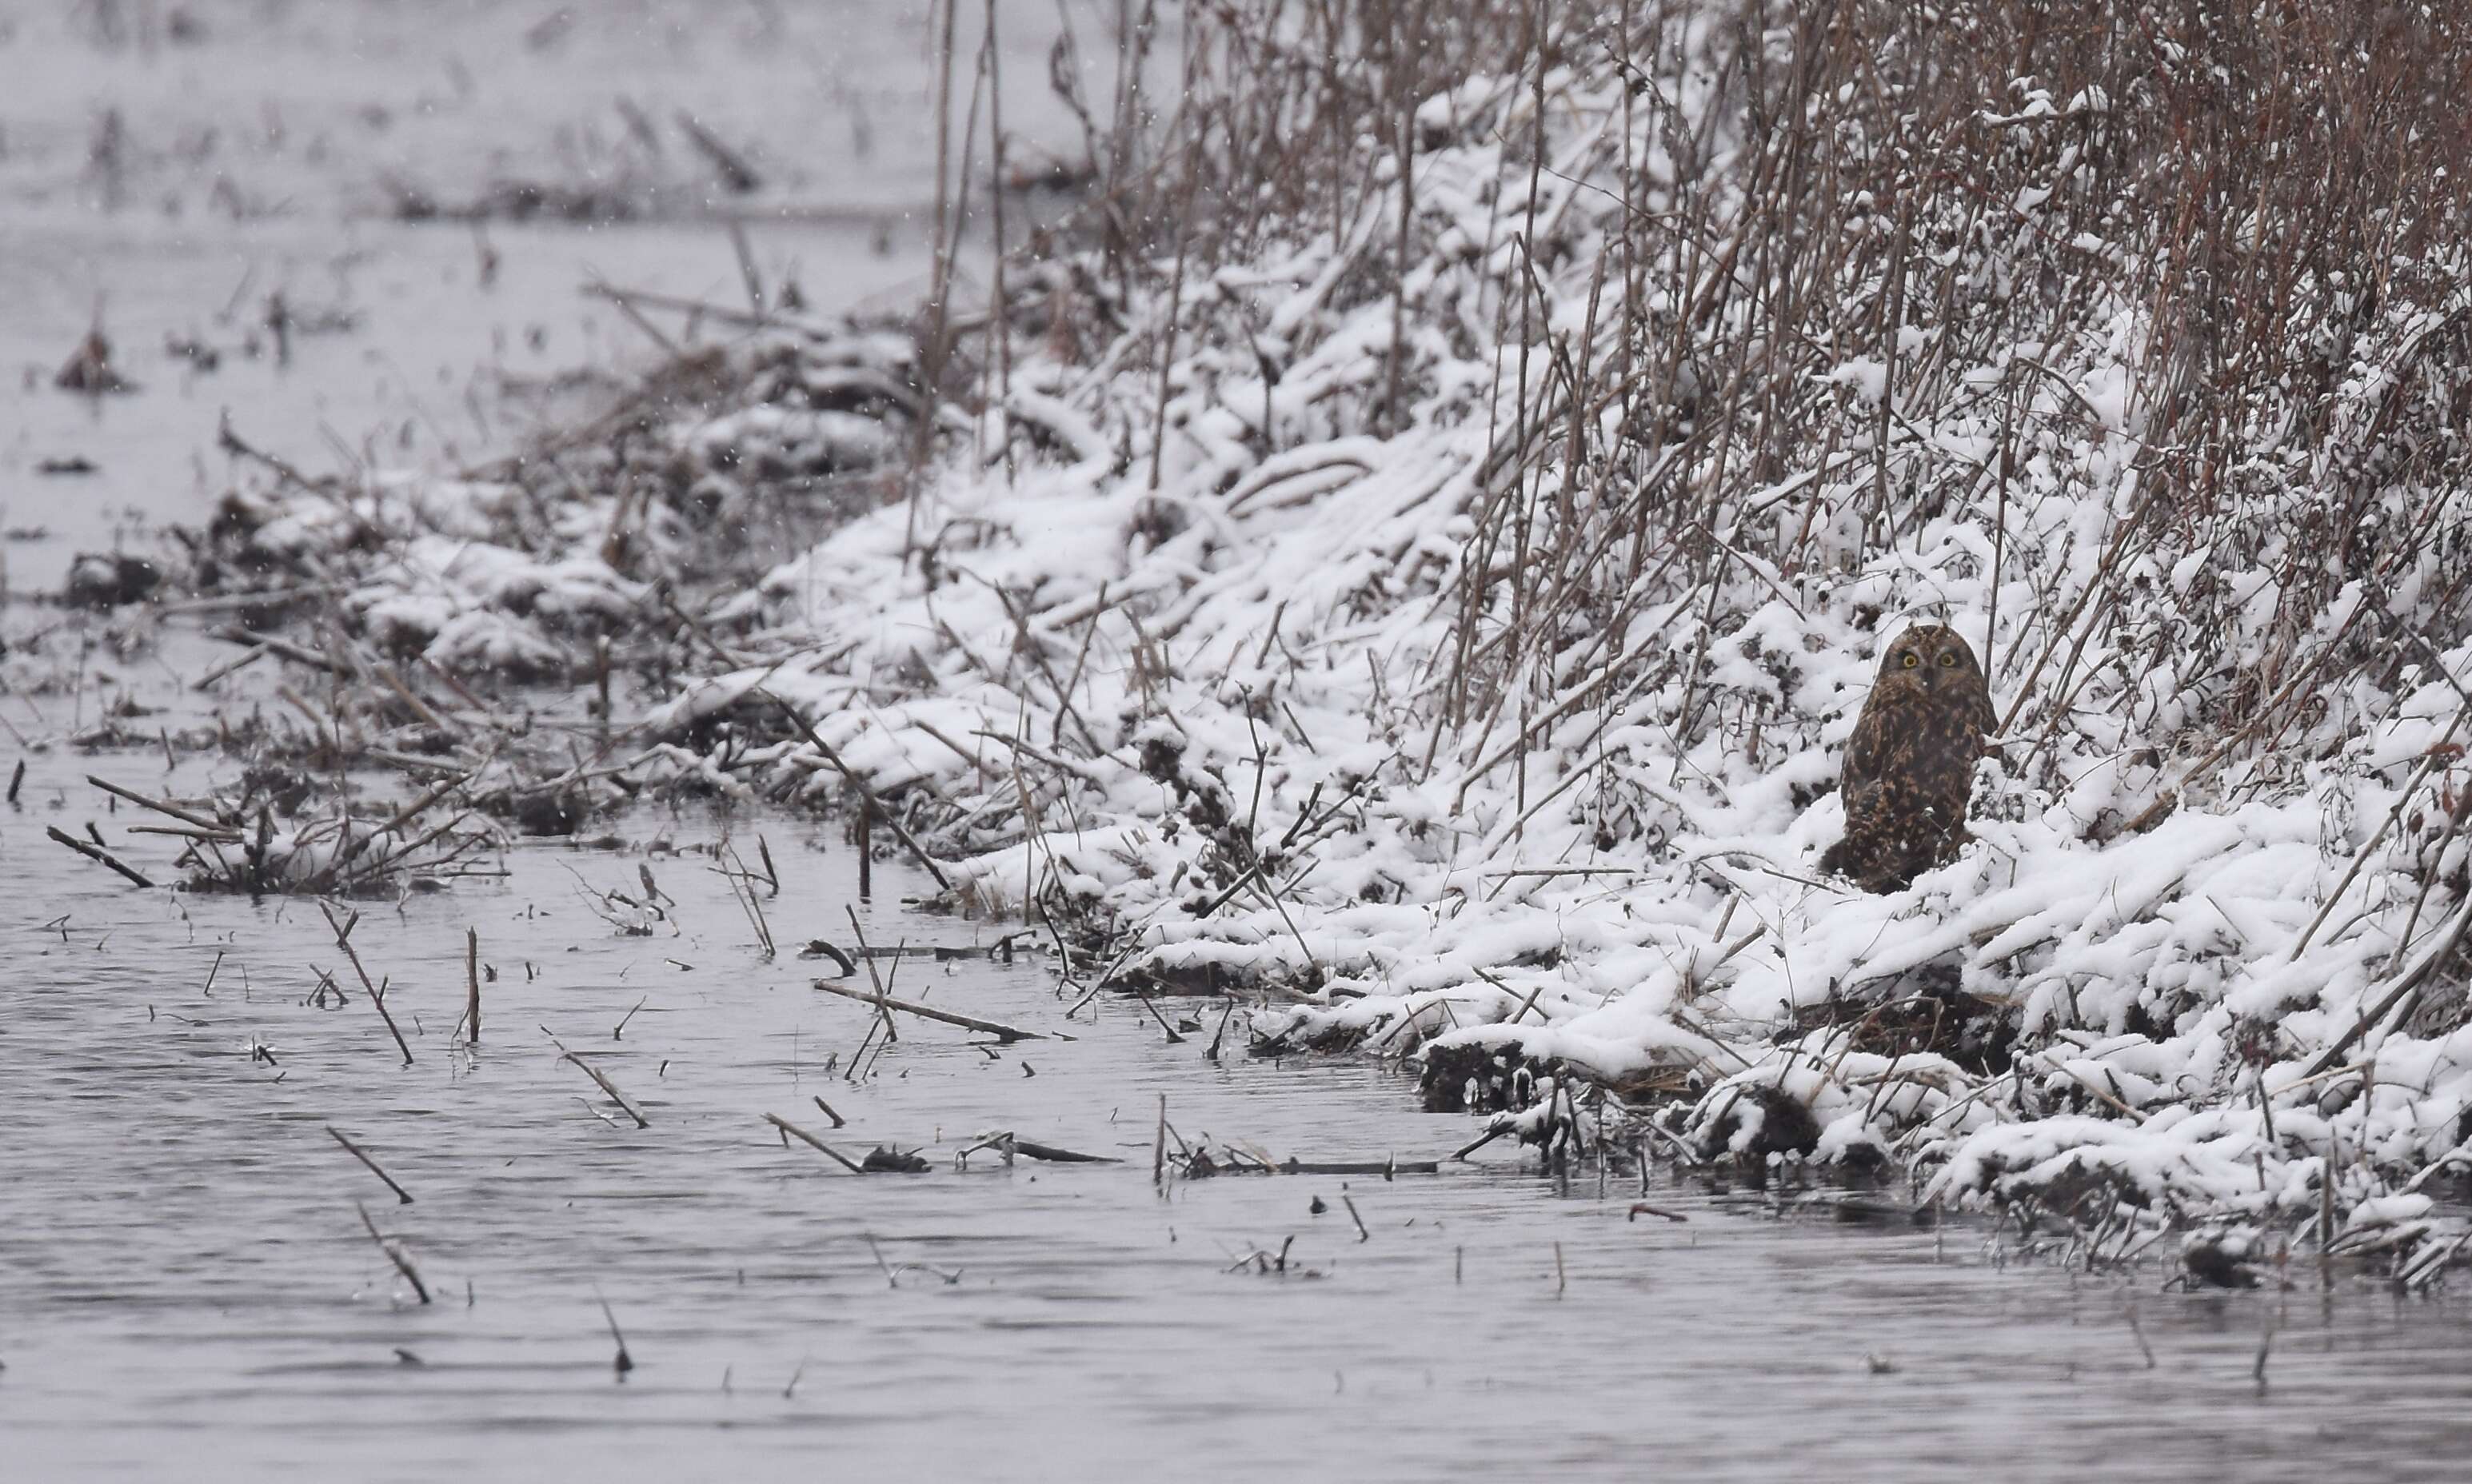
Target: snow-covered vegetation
{"type": "Point", "coordinates": [1413, 551]}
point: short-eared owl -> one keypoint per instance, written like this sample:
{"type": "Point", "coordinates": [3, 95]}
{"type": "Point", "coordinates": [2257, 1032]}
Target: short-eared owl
{"type": "Point", "coordinates": [1908, 771]}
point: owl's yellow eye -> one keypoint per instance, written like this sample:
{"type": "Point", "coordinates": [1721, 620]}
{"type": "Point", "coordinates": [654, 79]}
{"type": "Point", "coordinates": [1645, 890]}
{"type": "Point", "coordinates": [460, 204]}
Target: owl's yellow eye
{"type": "Point", "coordinates": [1912, 660]}
{"type": "Point", "coordinates": [1949, 659]}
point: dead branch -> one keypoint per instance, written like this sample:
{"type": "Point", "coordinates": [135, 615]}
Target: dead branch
{"type": "Point", "coordinates": [91, 852]}
{"type": "Point", "coordinates": [1004, 1033]}
{"type": "Point", "coordinates": [600, 1077]}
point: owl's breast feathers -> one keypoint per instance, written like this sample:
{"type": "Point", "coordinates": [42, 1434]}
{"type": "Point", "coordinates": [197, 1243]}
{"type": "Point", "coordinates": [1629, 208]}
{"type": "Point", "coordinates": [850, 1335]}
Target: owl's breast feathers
{"type": "Point", "coordinates": [1906, 782]}
{"type": "Point", "coordinates": [1934, 745]}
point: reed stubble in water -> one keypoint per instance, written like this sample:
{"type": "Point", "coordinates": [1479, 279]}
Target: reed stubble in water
{"type": "Point", "coordinates": [376, 992]}
{"type": "Point", "coordinates": [790, 1130]}
{"type": "Point", "coordinates": [402, 1195]}
{"type": "Point", "coordinates": [472, 985]}
{"type": "Point", "coordinates": [600, 1079]}
{"type": "Point", "coordinates": [1002, 1032]}
{"type": "Point", "coordinates": [394, 1252]}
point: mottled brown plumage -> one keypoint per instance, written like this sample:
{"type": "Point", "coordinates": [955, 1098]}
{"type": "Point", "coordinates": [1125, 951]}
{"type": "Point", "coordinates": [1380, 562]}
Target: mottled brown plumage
{"type": "Point", "coordinates": [1909, 772]}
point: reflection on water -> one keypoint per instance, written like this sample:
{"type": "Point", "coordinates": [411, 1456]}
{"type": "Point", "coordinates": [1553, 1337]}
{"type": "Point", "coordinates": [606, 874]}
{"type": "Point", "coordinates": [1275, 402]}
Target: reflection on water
{"type": "Point", "coordinates": [185, 1286]}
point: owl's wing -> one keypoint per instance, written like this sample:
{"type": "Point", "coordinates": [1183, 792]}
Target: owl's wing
{"type": "Point", "coordinates": [1863, 753]}
{"type": "Point", "coordinates": [1984, 718]}
{"type": "Point", "coordinates": [1858, 783]}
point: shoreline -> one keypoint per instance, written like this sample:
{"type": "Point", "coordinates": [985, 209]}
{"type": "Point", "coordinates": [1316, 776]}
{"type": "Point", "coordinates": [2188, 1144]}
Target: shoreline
{"type": "Point", "coordinates": [1310, 636]}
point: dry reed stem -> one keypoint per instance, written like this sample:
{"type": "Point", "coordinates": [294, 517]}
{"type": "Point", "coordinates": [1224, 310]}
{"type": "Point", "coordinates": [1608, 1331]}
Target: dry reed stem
{"type": "Point", "coordinates": [394, 1252]}
{"type": "Point", "coordinates": [600, 1079]}
{"type": "Point", "coordinates": [95, 854]}
{"type": "Point", "coordinates": [472, 985]}
{"type": "Point", "coordinates": [885, 1004]}
{"type": "Point", "coordinates": [402, 1195]}
{"type": "Point", "coordinates": [794, 1131]}
{"type": "Point", "coordinates": [376, 993]}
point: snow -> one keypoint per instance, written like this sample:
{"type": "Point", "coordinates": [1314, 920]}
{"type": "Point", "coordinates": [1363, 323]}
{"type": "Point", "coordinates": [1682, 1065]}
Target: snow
{"type": "Point", "coordinates": [1235, 685]}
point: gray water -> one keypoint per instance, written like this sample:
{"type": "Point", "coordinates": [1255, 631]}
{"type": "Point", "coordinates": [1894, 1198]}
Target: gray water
{"type": "Point", "coordinates": [186, 1289]}
{"type": "Point", "coordinates": [256, 158]}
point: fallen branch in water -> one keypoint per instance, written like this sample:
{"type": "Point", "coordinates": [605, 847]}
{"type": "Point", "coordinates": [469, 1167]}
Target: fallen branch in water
{"type": "Point", "coordinates": [1200, 1165]}
{"type": "Point", "coordinates": [92, 852]}
{"type": "Point", "coordinates": [597, 1076]}
{"type": "Point", "coordinates": [1386, 1168]}
{"type": "Point", "coordinates": [1480, 1141]}
{"type": "Point", "coordinates": [790, 1128]}
{"type": "Point", "coordinates": [1010, 1144]}
{"type": "Point", "coordinates": [1056, 1156]}
{"type": "Point", "coordinates": [159, 806]}
{"type": "Point", "coordinates": [377, 993]}
{"type": "Point", "coordinates": [818, 947]}
{"type": "Point", "coordinates": [395, 1254]}
{"type": "Point", "coordinates": [1004, 1033]}
{"type": "Point", "coordinates": [401, 1195]}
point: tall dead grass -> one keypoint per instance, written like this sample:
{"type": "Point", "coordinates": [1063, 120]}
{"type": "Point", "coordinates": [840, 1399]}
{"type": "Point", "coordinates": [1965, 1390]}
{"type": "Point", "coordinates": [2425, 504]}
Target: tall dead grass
{"type": "Point", "coordinates": [2257, 208]}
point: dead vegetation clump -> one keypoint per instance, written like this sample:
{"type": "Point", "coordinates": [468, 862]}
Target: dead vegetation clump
{"type": "Point", "coordinates": [1928, 1019]}
{"type": "Point", "coordinates": [269, 837]}
{"type": "Point", "coordinates": [1475, 1077]}
{"type": "Point", "coordinates": [630, 530]}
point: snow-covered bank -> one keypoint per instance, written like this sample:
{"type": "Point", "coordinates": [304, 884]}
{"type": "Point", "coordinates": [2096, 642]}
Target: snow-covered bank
{"type": "Point", "coordinates": [1455, 643]}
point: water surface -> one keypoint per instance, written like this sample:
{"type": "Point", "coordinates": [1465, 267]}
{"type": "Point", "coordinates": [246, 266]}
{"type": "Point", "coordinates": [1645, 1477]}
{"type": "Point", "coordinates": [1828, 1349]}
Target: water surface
{"type": "Point", "coordinates": [185, 1284]}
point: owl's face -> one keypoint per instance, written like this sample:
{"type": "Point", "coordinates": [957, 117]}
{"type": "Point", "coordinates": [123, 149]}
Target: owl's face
{"type": "Point", "coordinates": [1929, 660]}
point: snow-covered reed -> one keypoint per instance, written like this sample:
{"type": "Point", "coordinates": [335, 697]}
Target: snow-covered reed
{"type": "Point", "coordinates": [1419, 553]}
